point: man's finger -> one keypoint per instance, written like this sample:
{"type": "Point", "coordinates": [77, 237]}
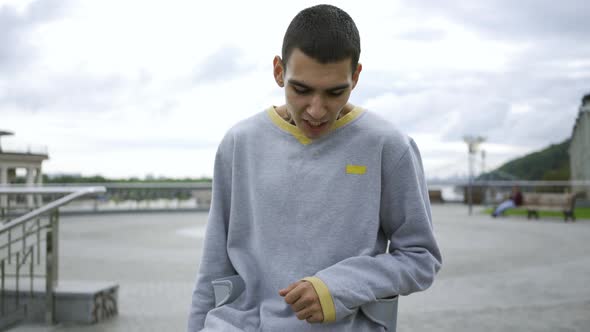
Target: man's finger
{"type": "Point", "coordinates": [300, 304]}
{"type": "Point", "coordinates": [289, 288]}
{"type": "Point", "coordinates": [296, 293]}
{"type": "Point", "coordinates": [315, 318]}
{"type": "Point", "coordinates": [305, 313]}
{"type": "Point", "coordinates": [297, 306]}
{"type": "Point", "coordinates": [305, 300]}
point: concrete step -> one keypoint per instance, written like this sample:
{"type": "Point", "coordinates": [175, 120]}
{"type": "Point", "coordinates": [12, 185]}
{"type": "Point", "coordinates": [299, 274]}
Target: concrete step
{"type": "Point", "coordinates": [75, 301]}
{"type": "Point", "coordinates": [11, 317]}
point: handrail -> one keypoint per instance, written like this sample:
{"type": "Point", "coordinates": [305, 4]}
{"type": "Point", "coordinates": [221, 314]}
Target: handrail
{"type": "Point", "coordinates": [535, 183]}
{"type": "Point", "coordinates": [142, 185]}
{"type": "Point", "coordinates": [15, 190]}
{"type": "Point", "coordinates": [50, 231]}
{"type": "Point", "coordinates": [207, 185]}
{"type": "Point", "coordinates": [499, 183]}
{"type": "Point", "coordinates": [73, 194]}
{"type": "Point", "coordinates": [33, 149]}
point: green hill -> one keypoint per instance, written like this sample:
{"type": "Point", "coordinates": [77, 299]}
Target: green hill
{"type": "Point", "coordinates": [551, 163]}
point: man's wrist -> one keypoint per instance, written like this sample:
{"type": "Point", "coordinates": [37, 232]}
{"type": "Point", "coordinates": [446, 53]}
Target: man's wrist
{"type": "Point", "coordinates": [325, 297]}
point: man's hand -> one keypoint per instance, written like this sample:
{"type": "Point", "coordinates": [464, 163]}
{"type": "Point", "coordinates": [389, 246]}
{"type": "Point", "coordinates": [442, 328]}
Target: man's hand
{"type": "Point", "coordinates": [304, 301]}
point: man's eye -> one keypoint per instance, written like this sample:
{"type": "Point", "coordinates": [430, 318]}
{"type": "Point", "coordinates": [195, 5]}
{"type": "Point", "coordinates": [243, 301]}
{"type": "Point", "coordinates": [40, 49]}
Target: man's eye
{"type": "Point", "coordinates": [300, 91]}
{"type": "Point", "coordinates": [336, 93]}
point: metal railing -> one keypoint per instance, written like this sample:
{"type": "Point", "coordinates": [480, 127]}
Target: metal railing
{"type": "Point", "coordinates": [24, 149]}
{"type": "Point", "coordinates": [196, 196]}
{"type": "Point", "coordinates": [521, 183]}
{"type": "Point", "coordinates": [134, 197]}
{"type": "Point", "coordinates": [29, 252]}
{"type": "Point", "coordinates": [487, 192]}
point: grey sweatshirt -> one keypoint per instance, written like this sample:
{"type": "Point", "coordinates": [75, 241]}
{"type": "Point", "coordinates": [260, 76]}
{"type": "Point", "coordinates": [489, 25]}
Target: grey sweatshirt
{"type": "Point", "coordinates": [285, 207]}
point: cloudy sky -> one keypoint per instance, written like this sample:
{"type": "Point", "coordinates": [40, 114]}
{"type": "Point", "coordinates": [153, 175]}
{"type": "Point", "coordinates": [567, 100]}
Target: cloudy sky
{"type": "Point", "coordinates": [126, 88]}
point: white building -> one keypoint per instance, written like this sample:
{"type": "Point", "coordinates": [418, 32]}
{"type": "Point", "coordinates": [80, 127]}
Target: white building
{"type": "Point", "coordinates": [580, 146]}
{"type": "Point", "coordinates": [27, 158]}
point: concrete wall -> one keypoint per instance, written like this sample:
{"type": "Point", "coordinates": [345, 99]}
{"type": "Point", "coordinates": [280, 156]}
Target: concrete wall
{"type": "Point", "coordinates": [580, 148]}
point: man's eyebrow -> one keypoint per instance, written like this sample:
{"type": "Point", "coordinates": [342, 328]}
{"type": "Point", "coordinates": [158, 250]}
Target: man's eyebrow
{"type": "Point", "coordinates": [305, 86]}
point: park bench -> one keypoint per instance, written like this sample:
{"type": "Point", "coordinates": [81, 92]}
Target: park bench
{"type": "Point", "coordinates": [564, 202]}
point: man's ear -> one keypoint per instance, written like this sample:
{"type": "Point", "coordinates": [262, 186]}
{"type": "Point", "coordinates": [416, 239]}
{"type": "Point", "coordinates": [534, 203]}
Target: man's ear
{"type": "Point", "coordinates": [278, 71]}
{"type": "Point", "coordinates": [356, 74]}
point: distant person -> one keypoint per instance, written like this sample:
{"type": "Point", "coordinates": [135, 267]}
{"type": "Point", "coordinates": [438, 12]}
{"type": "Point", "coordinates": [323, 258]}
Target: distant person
{"type": "Point", "coordinates": [306, 196]}
{"type": "Point", "coordinates": [514, 201]}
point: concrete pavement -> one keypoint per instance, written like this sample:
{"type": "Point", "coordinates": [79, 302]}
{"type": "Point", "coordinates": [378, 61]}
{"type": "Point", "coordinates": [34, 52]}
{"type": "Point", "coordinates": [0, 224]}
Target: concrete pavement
{"type": "Point", "coordinates": [506, 274]}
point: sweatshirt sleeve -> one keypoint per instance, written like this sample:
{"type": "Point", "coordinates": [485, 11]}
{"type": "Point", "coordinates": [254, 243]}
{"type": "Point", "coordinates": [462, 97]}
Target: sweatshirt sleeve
{"type": "Point", "coordinates": [215, 262]}
{"type": "Point", "coordinates": [413, 258]}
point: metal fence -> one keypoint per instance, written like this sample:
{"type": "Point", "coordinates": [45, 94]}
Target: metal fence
{"type": "Point", "coordinates": [493, 192]}
{"type": "Point", "coordinates": [196, 196]}
{"type": "Point", "coordinates": [133, 197]}
{"type": "Point", "coordinates": [24, 149]}
{"type": "Point", "coordinates": [29, 252]}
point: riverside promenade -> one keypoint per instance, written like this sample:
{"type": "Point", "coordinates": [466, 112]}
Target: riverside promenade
{"type": "Point", "coordinates": [505, 274]}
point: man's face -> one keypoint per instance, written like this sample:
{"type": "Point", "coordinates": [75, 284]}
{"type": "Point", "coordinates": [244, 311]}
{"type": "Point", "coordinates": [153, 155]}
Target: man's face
{"type": "Point", "coordinates": [315, 93]}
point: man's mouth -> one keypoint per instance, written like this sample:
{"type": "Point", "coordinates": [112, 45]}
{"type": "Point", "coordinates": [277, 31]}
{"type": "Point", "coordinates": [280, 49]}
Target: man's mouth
{"type": "Point", "coordinates": [316, 128]}
{"type": "Point", "coordinates": [315, 123]}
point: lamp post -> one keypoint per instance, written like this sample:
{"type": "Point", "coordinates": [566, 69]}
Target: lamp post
{"type": "Point", "coordinates": [483, 162]}
{"type": "Point", "coordinates": [473, 143]}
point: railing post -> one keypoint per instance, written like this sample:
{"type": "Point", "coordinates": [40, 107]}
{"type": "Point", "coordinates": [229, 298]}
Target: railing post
{"type": "Point", "coordinates": [49, 301]}
{"type": "Point", "coordinates": [52, 265]}
{"type": "Point", "coordinates": [3, 198]}
{"type": "Point", "coordinates": [31, 273]}
{"type": "Point", "coordinates": [38, 234]}
{"type": "Point", "coordinates": [9, 246]}
{"type": "Point", "coordinates": [2, 271]}
{"type": "Point", "coordinates": [17, 278]}
{"type": "Point", "coordinates": [470, 195]}
{"type": "Point", "coordinates": [24, 237]}
{"type": "Point", "coordinates": [54, 219]}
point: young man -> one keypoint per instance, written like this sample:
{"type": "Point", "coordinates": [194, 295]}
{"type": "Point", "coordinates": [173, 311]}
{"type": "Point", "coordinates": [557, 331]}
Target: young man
{"type": "Point", "coordinates": [307, 195]}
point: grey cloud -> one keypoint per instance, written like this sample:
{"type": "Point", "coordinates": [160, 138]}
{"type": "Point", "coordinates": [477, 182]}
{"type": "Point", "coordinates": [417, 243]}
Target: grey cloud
{"type": "Point", "coordinates": [12, 48]}
{"type": "Point", "coordinates": [79, 93]}
{"type": "Point", "coordinates": [151, 143]}
{"type": "Point", "coordinates": [15, 50]}
{"type": "Point", "coordinates": [374, 83]}
{"type": "Point", "coordinates": [220, 65]}
{"type": "Point", "coordinates": [31, 91]}
{"type": "Point", "coordinates": [44, 10]}
{"type": "Point", "coordinates": [421, 34]}
{"type": "Point", "coordinates": [549, 75]}
{"type": "Point", "coordinates": [481, 105]}
{"type": "Point", "coordinates": [514, 20]}
{"type": "Point", "coordinates": [67, 92]}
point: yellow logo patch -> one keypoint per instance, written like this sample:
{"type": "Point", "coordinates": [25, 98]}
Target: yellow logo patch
{"type": "Point", "coordinates": [356, 169]}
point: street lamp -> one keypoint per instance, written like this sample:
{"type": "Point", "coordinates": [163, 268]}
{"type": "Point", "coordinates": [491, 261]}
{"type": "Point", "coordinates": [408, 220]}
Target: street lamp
{"type": "Point", "coordinates": [473, 143]}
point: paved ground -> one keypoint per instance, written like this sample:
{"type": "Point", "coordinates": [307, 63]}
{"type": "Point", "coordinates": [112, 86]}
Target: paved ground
{"type": "Point", "coordinates": [505, 274]}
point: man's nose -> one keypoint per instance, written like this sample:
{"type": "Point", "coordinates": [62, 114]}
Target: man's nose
{"type": "Point", "coordinates": [316, 108]}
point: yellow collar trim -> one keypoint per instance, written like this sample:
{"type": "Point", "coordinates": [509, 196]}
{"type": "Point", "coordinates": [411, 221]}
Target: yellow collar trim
{"type": "Point", "coordinates": [293, 130]}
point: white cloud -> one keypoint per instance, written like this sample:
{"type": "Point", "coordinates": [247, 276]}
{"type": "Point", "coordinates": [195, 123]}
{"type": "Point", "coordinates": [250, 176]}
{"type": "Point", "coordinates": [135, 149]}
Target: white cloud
{"type": "Point", "coordinates": [128, 89]}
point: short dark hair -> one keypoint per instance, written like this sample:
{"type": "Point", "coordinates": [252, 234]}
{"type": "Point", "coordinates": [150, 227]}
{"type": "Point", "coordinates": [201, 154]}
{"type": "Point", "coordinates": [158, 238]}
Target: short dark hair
{"type": "Point", "coordinates": [325, 33]}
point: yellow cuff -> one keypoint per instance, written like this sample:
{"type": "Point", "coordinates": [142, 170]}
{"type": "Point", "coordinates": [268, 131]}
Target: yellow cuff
{"type": "Point", "coordinates": [328, 308]}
